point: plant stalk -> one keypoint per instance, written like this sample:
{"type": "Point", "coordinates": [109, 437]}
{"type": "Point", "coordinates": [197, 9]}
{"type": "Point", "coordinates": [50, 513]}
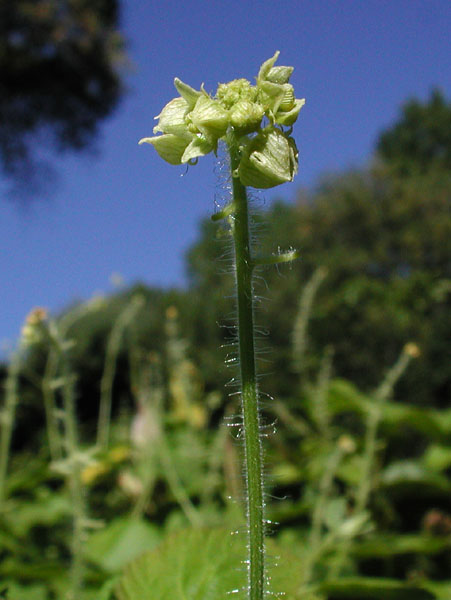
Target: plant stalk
{"type": "Point", "coordinates": [249, 393]}
{"type": "Point", "coordinates": [7, 415]}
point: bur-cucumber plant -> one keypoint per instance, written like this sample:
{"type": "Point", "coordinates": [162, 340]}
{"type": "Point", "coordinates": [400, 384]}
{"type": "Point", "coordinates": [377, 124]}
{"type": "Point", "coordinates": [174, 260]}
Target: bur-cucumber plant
{"type": "Point", "coordinates": [255, 124]}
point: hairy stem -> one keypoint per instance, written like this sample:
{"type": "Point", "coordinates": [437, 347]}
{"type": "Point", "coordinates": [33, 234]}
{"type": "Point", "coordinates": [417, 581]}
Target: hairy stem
{"type": "Point", "coordinates": [249, 393]}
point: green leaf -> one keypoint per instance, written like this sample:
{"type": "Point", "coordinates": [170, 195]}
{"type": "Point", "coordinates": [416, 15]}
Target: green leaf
{"type": "Point", "coordinates": [441, 589]}
{"type": "Point", "coordinates": [121, 541]}
{"type": "Point", "coordinates": [194, 564]}
{"type": "Point", "coordinates": [367, 588]}
{"type": "Point", "coordinates": [391, 545]}
{"type": "Point", "coordinates": [106, 591]}
{"type": "Point", "coordinates": [437, 458]}
{"type": "Point", "coordinates": [202, 564]}
{"type": "Point", "coordinates": [405, 477]}
{"type": "Point", "coordinates": [345, 397]}
{"type": "Point", "coordinates": [20, 592]}
{"type": "Point", "coordinates": [46, 510]}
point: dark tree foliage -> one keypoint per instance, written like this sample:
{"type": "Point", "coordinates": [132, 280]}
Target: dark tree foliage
{"type": "Point", "coordinates": [59, 76]}
{"type": "Point", "coordinates": [421, 140]}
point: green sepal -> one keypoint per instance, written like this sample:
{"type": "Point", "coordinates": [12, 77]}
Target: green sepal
{"type": "Point", "coordinates": [270, 96]}
{"type": "Point", "coordinates": [268, 160]}
{"type": "Point", "coordinates": [170, 147]}
{"type": "Point", "coordinates": [289, 117]}
{"type": "Point", "coordinates": [189, 94]}
{"type": "Point", "coordinates": [266, 68]}
{"type": "Point", "coordinates": [172, 118]}
{"type": "Point", "coordinates": [199, 146]}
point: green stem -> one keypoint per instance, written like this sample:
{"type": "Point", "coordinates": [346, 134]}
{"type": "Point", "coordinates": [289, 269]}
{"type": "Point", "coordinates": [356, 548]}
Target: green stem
{"type": "Point", "coordinates": [249, 394]}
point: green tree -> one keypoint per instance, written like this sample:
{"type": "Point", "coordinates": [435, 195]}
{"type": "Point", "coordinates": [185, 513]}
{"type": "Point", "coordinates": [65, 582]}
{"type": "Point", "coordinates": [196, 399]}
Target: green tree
{"type": "Point", "coordinates": [421, 139]}
{"type": "Point", "coordinates": [58, 77]}
{"type": "Point", "coordinates": [385, 237]}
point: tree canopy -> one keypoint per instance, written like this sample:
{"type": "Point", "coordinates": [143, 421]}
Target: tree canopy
{"type": "Point", "coordinates": [58, 76]}
{"type": "Point", "coordinates": [421, 140]}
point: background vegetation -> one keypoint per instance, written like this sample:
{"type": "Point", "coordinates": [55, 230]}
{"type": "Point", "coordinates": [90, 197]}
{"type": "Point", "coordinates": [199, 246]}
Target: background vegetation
{"type": "Point", "coordinates": [355, 372]}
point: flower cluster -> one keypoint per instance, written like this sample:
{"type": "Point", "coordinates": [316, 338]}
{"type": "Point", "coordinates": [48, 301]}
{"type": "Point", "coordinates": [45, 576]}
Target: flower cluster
{"type": "Point", "coordinates": [193, 123]}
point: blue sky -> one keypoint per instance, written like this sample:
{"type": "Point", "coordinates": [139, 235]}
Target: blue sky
{"type": "Point", "coordinates": [121, 209]}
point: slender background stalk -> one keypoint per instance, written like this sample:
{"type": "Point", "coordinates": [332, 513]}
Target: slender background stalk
{"type": "Point", "coordinates": [7, 419]}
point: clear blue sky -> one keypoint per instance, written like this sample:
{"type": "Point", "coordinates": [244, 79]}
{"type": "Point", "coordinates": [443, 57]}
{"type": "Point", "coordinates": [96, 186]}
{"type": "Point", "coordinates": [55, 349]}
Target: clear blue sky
{"type": "Point", "coordinates": [125, 211]}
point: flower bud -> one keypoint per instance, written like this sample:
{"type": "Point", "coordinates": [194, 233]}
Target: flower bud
{"type": "Point", "coordinates": [412, 350]}
{"type": "Point", "coordinates": [279, 74]}
{"type": "Point", "coordinates": [210, 118]}
{"type": "Point", "coordinates": [269, 159]}
{"type": "Point", "coordinates": [288, 99]}
{"type": "Point", "coordinates": [229, 94]}
{"type": "Point", "coordinates": [246, 116]}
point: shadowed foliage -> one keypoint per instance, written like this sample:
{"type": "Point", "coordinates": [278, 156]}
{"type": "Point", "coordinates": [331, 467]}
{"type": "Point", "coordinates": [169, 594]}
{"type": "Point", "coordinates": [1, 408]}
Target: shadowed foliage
{"type": "Point", "coordinates": [58, 77]}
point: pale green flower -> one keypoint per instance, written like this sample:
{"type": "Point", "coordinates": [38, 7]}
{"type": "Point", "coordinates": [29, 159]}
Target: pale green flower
{"type": "Point", "coordinates": [192, 124]}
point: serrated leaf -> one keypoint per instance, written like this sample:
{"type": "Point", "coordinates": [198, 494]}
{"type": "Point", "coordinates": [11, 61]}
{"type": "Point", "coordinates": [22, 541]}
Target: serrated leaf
{"type": "Point", "coordinates": [193, 564]}
{"type": "Point", "coordinates": [121, 541]}
{"type": "Point", "coordinates": [202, 564]}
